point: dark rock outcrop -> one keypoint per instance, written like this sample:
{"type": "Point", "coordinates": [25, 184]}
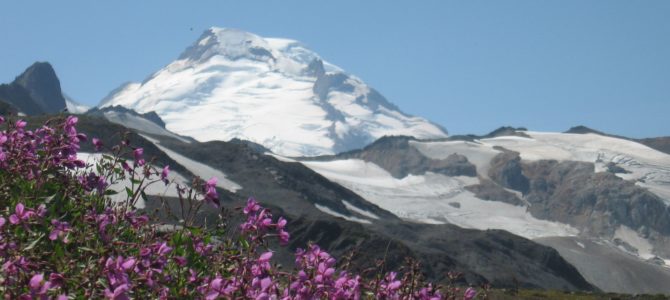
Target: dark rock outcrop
{"type": "Point", "coordinates": [501, 131]}
{"type": "Point", "coordinates": [506, 170]}
{"type": "Point", "coordinates": [489, 190]}
{"type": "Point", "coordinates": [581, 129]}
{"type": "Point", "coordinates": [315, 68]}
{"type": "Point", "coordinates": [614, 168]}
{"type": "Point", "coordinates": [659, 143]}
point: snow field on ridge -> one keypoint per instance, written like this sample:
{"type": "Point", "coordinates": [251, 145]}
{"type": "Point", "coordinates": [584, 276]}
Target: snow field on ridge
{"type": "Point", "coordinates": [430, 198]}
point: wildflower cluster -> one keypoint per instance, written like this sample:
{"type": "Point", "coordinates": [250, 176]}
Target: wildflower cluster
{"type": "Point", "coordinates": [30, 153]}
{"type": "Point", "coordinates": [259, 223]}
{"type": "Point", "coordinates": [65, 234]}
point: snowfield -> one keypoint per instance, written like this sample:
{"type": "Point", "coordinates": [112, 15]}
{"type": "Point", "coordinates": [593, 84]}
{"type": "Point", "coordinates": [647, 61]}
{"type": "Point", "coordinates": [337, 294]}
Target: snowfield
{"type": "Point", "coordinates": [436, 199]}
{"type": "Point", "coordinates": [331, 212]}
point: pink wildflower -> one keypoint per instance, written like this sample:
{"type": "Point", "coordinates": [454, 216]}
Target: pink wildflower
{"type": "Point", "coordinates": [60, 230]}
{"type": "Point", "coordinates": [470, 294]}
{"type": "Point", "coordinates": [21, 214]}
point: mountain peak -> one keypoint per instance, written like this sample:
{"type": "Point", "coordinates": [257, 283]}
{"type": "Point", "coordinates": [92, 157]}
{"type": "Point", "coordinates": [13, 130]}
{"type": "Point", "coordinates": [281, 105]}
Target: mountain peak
{"type": "Point", "coordinates": [235, 37]}
{"type": "Point", "coordinates": [583, 129]}
{"type": "Point", "coordinates": [41, 82]}
{"type": "Point", "coordinates": [231, 43]}
{"type": "Point", "coordinates": [36, 91]}
{"type": "Point", "coordinates": [40, 68]}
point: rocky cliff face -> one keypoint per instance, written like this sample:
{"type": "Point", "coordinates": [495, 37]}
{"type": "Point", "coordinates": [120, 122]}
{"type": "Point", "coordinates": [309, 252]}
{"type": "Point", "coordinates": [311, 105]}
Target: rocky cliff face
{"type": "Point", "coordinates": [506, 170]}
{"type": "Point", "coordinates": [597, 203]}
{"type": "Point", "coordinates": [36, 91]}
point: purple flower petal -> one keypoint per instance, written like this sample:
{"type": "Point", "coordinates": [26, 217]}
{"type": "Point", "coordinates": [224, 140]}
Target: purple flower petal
{"type": "Point", "coordinates": [266, 283]}
{"type": "Point", "coordinates": [138, 152]}
{"type": "Point", "coordinates": [128, 264]}
{"type": "Point", "coordinates": [19, 209]}
{"type": "Point", "coordinates": [54, 234]}
{"type": "Point", "coordinates": [36, 281]}
{"type": "Point", "coordinates": [265, 257]}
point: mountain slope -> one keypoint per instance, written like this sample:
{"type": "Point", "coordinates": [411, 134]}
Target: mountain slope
{"type": "Point", "coordinates": [274, 92]}
{"type": "Point", "coordinates": [325, 212]}
{"type": "Point", "coordinates": [339, 220]}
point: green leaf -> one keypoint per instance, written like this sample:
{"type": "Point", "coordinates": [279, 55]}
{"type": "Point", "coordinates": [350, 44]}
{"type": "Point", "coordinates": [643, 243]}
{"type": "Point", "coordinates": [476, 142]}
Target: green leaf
{"type": "Point", "coordinates": [144, 197]}
{"type": "Point", "coordinates": [129, 192]}
{"type": "Point", "coordinates": [34, 243]}
{"type": "Point", "coordinates": [49, 198]}
{"type": "Point", "coordinates": [59, 250]}
{"type": "Point", "coordinates": [87, 249]}
{"type": "Point", "coordinates": [244, 243]}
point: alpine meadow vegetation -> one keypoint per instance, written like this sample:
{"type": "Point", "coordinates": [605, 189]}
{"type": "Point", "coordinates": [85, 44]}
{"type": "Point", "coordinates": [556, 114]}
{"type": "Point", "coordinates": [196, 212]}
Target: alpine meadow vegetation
{"type": "Point", "coordinates": [65, 233]}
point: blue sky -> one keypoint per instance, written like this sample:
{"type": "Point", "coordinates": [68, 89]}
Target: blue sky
{"type": "Point", "coordinates": [470, 66]}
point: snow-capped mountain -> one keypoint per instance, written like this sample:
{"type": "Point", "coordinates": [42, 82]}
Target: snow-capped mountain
{"type": "Point", "coordinates": [274, 92]}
